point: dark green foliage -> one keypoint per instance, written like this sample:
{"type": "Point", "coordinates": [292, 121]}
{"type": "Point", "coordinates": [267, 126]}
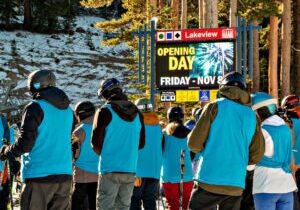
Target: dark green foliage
{"type": "Point", "coordinates": [8, 11]}
{"type": "Point", "coordinates": [52, 15]}
{"type": "Point", "coordinates": [259, 9]}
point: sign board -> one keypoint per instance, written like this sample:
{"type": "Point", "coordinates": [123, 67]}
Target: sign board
{"type": "Point", "coordinates": [194, 58]}
{"type": "Point", "coordinates": [168, 96]}
{"type": "Point", "coordinates": [204, 34]}
{"type": "Point", "coordinates": [204, 95]}
{"type": "Point", "coordinates": [187, 96]}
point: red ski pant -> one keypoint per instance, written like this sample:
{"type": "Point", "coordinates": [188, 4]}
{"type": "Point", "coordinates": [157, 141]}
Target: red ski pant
{"type": "Point", "coordinates": [172, 194]}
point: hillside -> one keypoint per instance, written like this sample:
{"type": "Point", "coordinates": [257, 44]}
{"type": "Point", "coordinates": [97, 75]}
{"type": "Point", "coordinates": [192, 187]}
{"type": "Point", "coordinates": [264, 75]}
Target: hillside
{"type": "Point", "coordinates": [79, 61]}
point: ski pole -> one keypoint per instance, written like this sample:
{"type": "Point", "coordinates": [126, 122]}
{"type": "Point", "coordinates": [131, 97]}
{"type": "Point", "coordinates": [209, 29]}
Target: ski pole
{"type": "Point", "coordinates": [182, 154]}
{"type": "Point", "coordinates": [10, 185]}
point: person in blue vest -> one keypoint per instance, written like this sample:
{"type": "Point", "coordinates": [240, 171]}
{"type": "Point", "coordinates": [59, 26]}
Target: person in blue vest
{"type": "Point", "coordinates": [85, 172]}
{"type": "Point", "coordinates": [175, 145]}
{"type": "Point", "coordinates": [273, 183]}
{"type": "Point", "coordinates": [149, 160]}
{"type": "Point", "coordinates": [229, 136]}
{"type": "Point", "coordinates": [291, 106]}
{"type": "Point", "coordinates": [118, 133]}
{"type": "Point", "coordinates": [4, 185]}
{"type": "Point", "coordinates": [45, 145]}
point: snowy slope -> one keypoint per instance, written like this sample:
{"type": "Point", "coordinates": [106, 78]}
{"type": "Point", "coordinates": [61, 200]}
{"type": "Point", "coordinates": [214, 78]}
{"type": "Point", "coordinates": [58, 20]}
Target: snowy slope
{"type": "Point", "coordinates": [79, 61]}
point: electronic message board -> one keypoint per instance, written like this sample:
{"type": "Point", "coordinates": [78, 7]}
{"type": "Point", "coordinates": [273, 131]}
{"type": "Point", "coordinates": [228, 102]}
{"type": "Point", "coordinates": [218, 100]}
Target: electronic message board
{"type": "Point", "coordinates": [194, 59]}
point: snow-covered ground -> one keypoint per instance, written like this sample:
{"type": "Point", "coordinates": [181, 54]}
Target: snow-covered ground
{"type": "Point", "coordinates": [79, 60]}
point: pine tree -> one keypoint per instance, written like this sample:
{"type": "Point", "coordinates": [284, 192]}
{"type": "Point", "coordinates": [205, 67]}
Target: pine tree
{"type": "Point", "coordinates": [134, 18]}
{"type": "Point", "coordinates": [45, 14]}
{"type": "Point", "coordinates": [96, 3]}
{"type": "Point", "coordinates": [8, 11]}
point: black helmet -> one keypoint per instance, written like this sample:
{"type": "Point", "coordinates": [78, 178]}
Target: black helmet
{"type": "Point", "coordinates": [234, 79]}
{"type": "Point", "coordinates": [109, 87]}
{"type": "Point", "coordinates": [144, 105]}
{"type": "Point", "coordinates": [40, 79]}
{"type": "Point", "coordinates": [175, 113]}
{"type": "Point", "coordinates": [84, 109]}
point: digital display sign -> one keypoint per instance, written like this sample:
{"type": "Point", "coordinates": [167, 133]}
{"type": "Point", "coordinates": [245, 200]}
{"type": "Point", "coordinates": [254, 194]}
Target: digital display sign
{"type": "Point", "coordinates": [194, 59]}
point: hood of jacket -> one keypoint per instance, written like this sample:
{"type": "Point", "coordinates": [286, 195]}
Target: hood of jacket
{"type": "Point", "coordinates": [54, 96]}
{"type": "Point", "coordinates": [125, 109]}
{"type": "Point", "coordinates": [236, 94]}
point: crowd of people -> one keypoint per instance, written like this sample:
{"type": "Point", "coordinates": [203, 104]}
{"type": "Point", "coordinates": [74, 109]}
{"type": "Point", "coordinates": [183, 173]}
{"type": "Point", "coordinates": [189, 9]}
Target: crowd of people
{"type": "Point", "coordinates": [239, 152]}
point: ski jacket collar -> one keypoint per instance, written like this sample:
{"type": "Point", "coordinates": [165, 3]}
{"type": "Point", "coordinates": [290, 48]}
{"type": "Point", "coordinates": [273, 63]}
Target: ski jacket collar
{"type": "Point", "coordinates": [236, 94]}
{"type": "Point", "coordinates": [125, 109]}
{"type": "Point", "coordinates": [54, 96]}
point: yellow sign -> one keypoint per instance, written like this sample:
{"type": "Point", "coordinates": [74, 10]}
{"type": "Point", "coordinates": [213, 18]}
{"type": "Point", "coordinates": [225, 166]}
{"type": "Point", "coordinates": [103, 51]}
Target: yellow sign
{"type": "Point", "coordinates": [187, 95]}
{"type": "Point", "coordinates": [213, 95]}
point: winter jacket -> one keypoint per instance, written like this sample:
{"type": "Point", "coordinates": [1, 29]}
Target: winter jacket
{"type": "Point", "coordinates": [175, 141]}
{"type": "Point", "coordinates": [150, 157]}
{"type": "Point", "coordinates": [47, 121]}
{"type": "Point", "coordinates": [225, 122]}
{"type": "Point", "coordinates": [118, 126]}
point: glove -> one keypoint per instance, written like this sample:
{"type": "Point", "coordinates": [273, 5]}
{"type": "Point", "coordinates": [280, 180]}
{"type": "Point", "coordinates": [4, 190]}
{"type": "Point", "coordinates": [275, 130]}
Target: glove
{"type": "Point", "coordinates": [3, 155]}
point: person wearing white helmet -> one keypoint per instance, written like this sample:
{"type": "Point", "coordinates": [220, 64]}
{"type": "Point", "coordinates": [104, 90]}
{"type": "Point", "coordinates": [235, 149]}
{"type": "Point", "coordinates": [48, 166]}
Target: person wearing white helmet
{"type": "Point", "coordinates": [273, 183]}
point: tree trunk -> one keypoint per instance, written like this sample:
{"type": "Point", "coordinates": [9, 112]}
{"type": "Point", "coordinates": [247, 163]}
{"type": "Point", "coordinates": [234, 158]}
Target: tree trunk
{"type": "Point", "coordinates": [175, 14]}
{"type": "Point", "coordinates": [256, 68]}
{"type": "Point", "coordinates": [233, 9]}
{"type": "Point", "coordinates": [211, 15]}
{"type": "Point", "coordinates": [286, 48]}
{"type": "Point", "coordinates": [296, 44]}
{"type": "Point", "coordinates": [273, 56]}
{"type": "Point", "coordinates": [201, 13]}
{"type": "Point", "coordinates": [161, 4]}
{"type": "Point", "coordinates": [27, 14]}
{"type": "Point", "coordinates": [153, 7]}
{"type": "Point", "coordinates": [183, 14]}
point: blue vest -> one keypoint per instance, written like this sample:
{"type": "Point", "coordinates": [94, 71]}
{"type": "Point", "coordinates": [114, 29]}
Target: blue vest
{"type": "Point", "coordinates": [226, 152]}
{"type": "Point", "coordinates": [1, 140]}
{"type": "Point", "coordinates": [120, 147]}
{"type": "Point", "coordinates": [171, 160]}
{"type": "Point", "coordinates": [51, 153]}
{"type": "Point", "coordinates": [282, 140]}
{"type": "Point", "coordinates": [150, 157]}
{"type": "Point", "coordinates": [87, 160]}
{"type": "Point", "coordinates": [296, 125]}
